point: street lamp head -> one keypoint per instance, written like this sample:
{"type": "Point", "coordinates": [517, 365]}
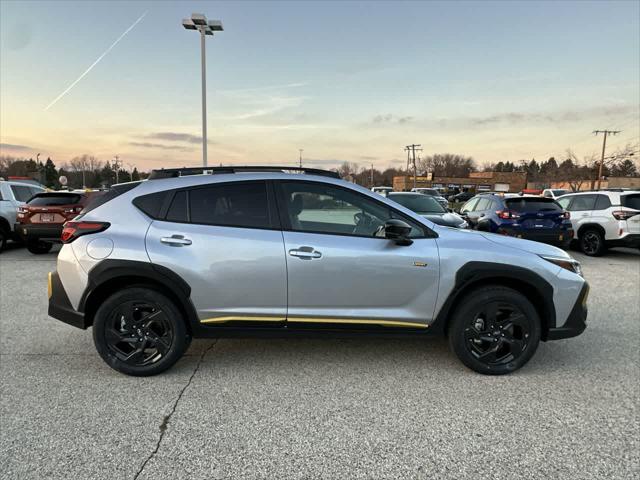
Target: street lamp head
{"type": "Point", "coordinates": [199, 19]}
{"type": "Point", "coordinates": [207, 31]}
{"type": "Point", "coordinates": [215, 25]}
{"type": "Point", "coordinates": [188, 24]}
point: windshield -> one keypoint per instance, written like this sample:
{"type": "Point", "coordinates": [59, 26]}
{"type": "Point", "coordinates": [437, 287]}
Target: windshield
{"type": "Point", "coordinates": [533, 204]}
{"type": "Point", "coordinates": [47, 199]}
{"type": "Point", "coordinates": [418, 203]}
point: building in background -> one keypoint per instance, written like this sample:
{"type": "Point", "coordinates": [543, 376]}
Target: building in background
{"type": "Point", "coordinates": [476, 182]}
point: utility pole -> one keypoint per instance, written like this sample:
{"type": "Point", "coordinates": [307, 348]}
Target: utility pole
{"type": "Point", "coordinates": [116, 166]}
{"type": "Point", "coordinates": [412, 148]}
{"type": "Point", "coordinates": [372, 185]}
{"type": "Point", "coordinates": [604, 146]}
{"type": "Point", "coordinates": [300, 150]}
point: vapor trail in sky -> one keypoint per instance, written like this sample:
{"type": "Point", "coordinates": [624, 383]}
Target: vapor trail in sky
{"type": "Point", "coordinates": [55, 100]}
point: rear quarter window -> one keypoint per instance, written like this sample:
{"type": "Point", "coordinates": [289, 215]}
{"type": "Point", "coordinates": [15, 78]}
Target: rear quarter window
{"type": "Point", "coordinates": [151, 204]}
{"type": "Point", "coordinates": [631, 201]}
{"type": "Point", "coordinates": [602, 202]}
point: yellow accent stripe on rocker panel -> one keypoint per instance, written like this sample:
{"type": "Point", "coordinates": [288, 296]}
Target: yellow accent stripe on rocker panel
{"type": "Point", "coordinates": [385, 323]}
{"type": "Point", "coordinates": [242, 319]}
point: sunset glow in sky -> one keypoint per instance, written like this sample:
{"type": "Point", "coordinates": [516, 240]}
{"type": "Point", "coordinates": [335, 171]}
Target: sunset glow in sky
{"type": "Point", "coordinates": [352, 81]}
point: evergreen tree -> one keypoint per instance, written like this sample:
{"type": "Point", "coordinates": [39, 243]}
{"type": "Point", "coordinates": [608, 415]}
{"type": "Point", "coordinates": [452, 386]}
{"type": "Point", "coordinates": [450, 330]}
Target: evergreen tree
{"type": "Point", "coordinates": [135, 175]}
{"type": "Point", "coordinates": [50, 174]}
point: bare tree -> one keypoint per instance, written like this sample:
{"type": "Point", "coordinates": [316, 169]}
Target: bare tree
{"type": "Point", "coordinates": [447, 165]}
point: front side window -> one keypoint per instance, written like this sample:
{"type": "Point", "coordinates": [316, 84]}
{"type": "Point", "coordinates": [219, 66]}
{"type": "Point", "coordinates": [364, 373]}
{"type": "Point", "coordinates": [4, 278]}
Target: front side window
{"type": "Point", "coordinates": [483, 205]}
{"type": "Point", "coordinates": [321, 208]}
{"type": "Point", "coordinates": [235, 204]}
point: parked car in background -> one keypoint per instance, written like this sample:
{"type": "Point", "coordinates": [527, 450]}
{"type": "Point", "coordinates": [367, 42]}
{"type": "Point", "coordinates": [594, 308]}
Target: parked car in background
{"type": "Point", "coordinates": [462, 197]}
{"type": "Point", "coordinates": [40, 220]}
{"type": "Point", "coordinates": [428, 207]}
{"type": "Point", "coordinates": [382, 190]}
{"type": "Point", "coordinates": [604, 219]}
{"type": "Point", "coordinates": [554, 192]}
{"type": "Point", "coordinates": [262, 251]}
{"type": "Point", "coordinates": [533, 218]}
{"type": "Point", "coordinates": [433, 192]}
{"type": "Point", "coordinates": [13, 195]}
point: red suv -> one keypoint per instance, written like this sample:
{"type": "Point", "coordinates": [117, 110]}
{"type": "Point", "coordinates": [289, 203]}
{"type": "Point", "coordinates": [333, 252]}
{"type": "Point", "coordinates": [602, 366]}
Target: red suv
{"type": "Point", "coordinates": [40, 220]}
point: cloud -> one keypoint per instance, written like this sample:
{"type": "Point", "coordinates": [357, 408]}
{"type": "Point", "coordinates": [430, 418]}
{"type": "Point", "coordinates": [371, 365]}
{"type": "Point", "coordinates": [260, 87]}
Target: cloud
{"type": "Point", "coordinates": [11, 146]}
{"type": "Point", "coordinates": [389, 118]}
{"type": "Point", "coordinates": [175, 137]}
{"type": "Point", "coordinates": [158, 145]}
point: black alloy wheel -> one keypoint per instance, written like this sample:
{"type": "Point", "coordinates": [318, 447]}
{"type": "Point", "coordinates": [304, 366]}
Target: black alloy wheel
{"type": "Point", "coordinates": [495, 330]}
{"type": "Point", "coordinates": [592, 243]}
{"type": "Point", "coordinates": [139, 331]}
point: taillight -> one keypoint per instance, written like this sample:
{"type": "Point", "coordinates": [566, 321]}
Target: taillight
{"type": "Point", "coordinates": [73, 230]}
{"type": "Point", "coordinates": [507, 214]}
{"type": "Point", "coordinates": [624, 214]}
{"type": "Point", "coordinates": [566, 215]}
{"type": "Point", "coordinates": [22, 210]}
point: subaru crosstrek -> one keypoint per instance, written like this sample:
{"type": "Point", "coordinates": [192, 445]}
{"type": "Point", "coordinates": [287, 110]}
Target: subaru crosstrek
{"type": "Point", "coordinates": [533, 218]}
{"type": "Point", "coordinates": [246, 251]}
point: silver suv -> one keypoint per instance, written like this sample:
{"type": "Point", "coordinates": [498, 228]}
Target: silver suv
{"type": "Point", "coordinates": [246, 251]}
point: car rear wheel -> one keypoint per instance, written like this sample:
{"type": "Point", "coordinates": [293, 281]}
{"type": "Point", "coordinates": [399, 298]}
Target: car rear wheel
{"type": "Point", "coordinates": [3, 239]}
{"type": "Point", "coordinates": [140, 332]}
{"type": "Point", "coordinates": [38, 247]}
{"type": "Point", "coordinates": [592, 243]}
{"type": "Point", "coordinates": [496, 330]}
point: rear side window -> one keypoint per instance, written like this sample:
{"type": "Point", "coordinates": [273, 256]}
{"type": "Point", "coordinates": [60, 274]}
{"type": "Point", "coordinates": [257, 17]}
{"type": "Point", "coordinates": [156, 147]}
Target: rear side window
{"type": "Point", "coordinates": [483, 204]}
{"type": "Point", "coordinates": [583, 202]}
{"type": "Point", "coordinates": [468, 207]}
{"type": "Point", "coordinates": [151, 204]}
{"type": "Point", "coordinates": [116, 191]}
{"type": "Point", "coordinates": [48, 199]}
{"type": "Point", "coordinates": [602, 202]}
{"type": "Point", "coordinates": [528, 205]}
{"type": "Point", "coordinates": [21, 193]}
{"type": "Point", "coordinates": [233, 205]}
{"type": "Point", "coordinates": [631, 201]}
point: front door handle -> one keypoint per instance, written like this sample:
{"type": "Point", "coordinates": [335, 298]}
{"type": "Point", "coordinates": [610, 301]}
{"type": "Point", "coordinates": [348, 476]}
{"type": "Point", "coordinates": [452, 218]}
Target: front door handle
{"type": "Point", "coordinates": [175, 241]}
{"type": "Point", "coordinates": [305, 253]}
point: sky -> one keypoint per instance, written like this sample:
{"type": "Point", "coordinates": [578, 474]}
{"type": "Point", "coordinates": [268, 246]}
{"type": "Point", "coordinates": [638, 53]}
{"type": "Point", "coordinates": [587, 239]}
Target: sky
{"type": "Point", "coordinates": [344, 81]}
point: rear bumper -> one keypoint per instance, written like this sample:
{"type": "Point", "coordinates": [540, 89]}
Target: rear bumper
{"type": "Point", "coordinates": [632, 240]}
{"type": "Point", "coordinates": [554, 237]}
{"type": "Point", "coordinates": [59, 305]}
{"type": "Point", "coordinates": [576, 322]}
{"type": "Point", "coordinates": [33, 231]}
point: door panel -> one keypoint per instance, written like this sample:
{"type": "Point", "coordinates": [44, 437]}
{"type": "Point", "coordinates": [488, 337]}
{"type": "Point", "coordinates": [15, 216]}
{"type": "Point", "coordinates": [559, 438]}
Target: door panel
{"type": "Point", "coordinates": [350, 279]}
{"type": "Point", "coordinates": [234, 273]}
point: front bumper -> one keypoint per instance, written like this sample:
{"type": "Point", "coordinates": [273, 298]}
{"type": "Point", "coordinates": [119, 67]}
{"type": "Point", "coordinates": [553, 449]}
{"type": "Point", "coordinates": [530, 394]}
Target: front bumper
{"type": "Point", "coordinates": [59, 305]}
{"type": "Point", "coordinates": [33, 231]}
{"type": "Point", "coordinates": [577, 320]}
{"type": "Point", "coordinates": [632, 241]}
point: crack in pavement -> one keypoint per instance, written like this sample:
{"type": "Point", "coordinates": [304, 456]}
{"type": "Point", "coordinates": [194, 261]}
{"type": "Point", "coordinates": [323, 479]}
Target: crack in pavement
{"type": "Point", "coordinates": [165, 420]}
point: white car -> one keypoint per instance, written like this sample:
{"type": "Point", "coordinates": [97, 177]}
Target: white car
{"type": "Point", "coordinates": [12, 195]}
{"type": "Point", "coordinates": [604, 218]}
{"type": "Point", "coordinates": [382, 190]}
{"type": "Point", "coordinates": [554, 192]}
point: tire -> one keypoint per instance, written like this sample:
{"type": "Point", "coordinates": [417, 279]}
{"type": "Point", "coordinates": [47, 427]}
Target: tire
{"type": "Point", "coordinates": [4, 237]}
{"type": "Point", "coordinates": [592, 243]}
{"type": "Point", "coordinates": [38, 247]}
{"type": "Point", "coordinates": [495, 330]}
{"type": "Point", "coordinates": [139, 331]}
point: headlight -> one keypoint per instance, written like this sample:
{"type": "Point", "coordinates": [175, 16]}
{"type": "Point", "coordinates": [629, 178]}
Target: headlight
{"type": "Point", "coordinates": [464, 224]}
{"type": "Point", "coordinates": [566, 263]}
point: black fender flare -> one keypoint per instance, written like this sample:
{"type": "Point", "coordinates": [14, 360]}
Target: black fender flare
{"type": "Point", "coordinates": [113, 274]}
{"type": "Point", "coordinates": [474, 274]}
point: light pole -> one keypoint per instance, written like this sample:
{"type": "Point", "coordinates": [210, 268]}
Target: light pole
{"type": "Point", "coordinates": [301, 150]}
{"type": "Point", "coordinates": [199, 22]}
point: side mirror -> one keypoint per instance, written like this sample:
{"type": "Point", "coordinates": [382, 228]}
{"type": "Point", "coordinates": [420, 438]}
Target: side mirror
{"type": "Point", "coordinates": [398, 231]}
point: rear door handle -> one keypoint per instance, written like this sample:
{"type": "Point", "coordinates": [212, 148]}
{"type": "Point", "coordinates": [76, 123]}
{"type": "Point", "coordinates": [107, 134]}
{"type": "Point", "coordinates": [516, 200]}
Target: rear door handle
{"type": "Point", "coordinates": [175, 241]}
{"type": "Point", "coordinates": [305, 253]}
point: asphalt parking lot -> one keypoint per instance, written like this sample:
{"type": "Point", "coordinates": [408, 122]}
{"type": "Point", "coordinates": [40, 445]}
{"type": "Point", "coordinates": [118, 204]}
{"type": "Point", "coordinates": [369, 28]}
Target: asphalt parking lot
{"type": "Point", "coordinates": [329, 408]}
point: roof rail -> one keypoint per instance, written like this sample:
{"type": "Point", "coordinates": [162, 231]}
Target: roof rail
{"type": "Point", "coordinates": [184, 171]}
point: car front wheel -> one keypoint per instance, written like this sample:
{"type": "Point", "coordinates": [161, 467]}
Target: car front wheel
{"type": "Point", "coordinates": [140, 332]}
{"type": "Point", "coordinates": [496, 330]}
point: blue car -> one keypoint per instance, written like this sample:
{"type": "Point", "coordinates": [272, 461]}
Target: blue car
{"type": "Point", "coordinates": [534, 218]}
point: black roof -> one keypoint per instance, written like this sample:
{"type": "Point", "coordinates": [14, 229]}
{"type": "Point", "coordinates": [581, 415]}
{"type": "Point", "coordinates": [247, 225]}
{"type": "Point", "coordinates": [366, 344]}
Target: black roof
{"type": "Point", "coordinates": [184, 171]}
